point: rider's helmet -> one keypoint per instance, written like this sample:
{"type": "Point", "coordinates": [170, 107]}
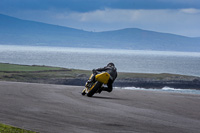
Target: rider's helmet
{"type": "Point", "coordinates": [110, 64]}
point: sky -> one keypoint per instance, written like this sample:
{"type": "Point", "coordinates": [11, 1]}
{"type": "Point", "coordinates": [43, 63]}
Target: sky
{"type": "Point", "coordinates": [180, 17]}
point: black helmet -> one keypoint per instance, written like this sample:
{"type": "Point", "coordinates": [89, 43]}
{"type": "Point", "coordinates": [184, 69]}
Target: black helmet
{"type": "Point", "coordinates": [111, 64]}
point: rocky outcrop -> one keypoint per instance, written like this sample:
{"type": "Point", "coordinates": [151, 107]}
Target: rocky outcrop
{"type": "Point", "coordinates": [132, 82]}
{"type": "Point", "coordinates": [193, 84]}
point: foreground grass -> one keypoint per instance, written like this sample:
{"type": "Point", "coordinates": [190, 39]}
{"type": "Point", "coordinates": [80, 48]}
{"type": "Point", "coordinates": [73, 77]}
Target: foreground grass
{"type": "Point", "coordinates": [10, 129]}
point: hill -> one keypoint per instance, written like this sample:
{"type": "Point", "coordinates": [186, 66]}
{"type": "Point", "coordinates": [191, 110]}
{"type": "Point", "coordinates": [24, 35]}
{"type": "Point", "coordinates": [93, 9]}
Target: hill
{"type": "Point", "coordinates": [15, 31]}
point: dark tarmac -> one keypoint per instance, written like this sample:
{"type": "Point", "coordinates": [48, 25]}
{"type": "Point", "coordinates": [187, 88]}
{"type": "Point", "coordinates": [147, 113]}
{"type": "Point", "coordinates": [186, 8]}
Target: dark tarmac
{"type": "Point", "coordinates": [48, 108]}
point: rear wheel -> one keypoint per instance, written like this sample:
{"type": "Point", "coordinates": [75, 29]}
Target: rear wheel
{"type": "Point", "coordinates": [94, 89]}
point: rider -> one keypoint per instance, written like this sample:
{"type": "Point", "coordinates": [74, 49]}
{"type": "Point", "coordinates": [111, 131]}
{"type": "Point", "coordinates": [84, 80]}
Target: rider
{"type": "Point", "coordinates": [112, 70]}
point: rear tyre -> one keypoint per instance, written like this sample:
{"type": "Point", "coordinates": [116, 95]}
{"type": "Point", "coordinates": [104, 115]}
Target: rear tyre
{"type": "Point", "coordinates": [94, 89]}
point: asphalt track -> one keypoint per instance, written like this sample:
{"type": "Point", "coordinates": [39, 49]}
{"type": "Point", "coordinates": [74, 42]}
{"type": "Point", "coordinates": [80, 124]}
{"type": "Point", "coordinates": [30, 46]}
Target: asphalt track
{"type": "Point", "coordinates": [49, 108]}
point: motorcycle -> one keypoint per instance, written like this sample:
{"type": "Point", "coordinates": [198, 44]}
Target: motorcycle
{"type": "Point", "coordinates": [94, 87]}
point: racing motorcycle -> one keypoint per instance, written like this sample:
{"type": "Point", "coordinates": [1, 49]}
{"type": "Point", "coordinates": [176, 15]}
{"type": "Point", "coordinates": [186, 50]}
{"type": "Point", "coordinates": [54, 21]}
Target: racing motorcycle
{"type": "Point", "coordinates": [95, 87]}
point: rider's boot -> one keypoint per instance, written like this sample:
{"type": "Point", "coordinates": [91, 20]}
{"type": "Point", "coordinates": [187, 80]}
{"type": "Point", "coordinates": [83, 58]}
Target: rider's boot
{"type": "Point", "coordinates": [101, 89]}
{"type": "Point", "coordinates": [104, 89]}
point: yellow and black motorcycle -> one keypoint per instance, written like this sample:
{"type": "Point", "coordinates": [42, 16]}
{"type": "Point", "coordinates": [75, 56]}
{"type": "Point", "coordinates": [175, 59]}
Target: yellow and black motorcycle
{"type": "Point", "coordinates": [94, 87]}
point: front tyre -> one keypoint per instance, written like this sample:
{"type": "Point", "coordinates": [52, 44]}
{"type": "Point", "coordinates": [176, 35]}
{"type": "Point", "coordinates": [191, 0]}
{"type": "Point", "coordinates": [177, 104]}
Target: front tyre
{"type": "Point", "coordinates": [83, 92]}
{"type": "Point", "coordinates": [94, 89]}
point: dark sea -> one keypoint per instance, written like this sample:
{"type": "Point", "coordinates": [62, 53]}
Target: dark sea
{"type": "Point", "coordinates": [136, 61]}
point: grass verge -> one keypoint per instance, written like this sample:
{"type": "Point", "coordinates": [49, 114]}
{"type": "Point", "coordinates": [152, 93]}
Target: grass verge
{"type": "Point", "coordinates": [10, 129]}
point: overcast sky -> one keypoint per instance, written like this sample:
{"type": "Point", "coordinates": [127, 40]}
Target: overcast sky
{"type": "Point", "coordinates": [170, 16]}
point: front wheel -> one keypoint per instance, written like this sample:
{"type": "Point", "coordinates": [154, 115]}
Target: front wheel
{"type": "Point", "coordinates": [94, 89]}
{"type": "Point", "coordinates": [83, 92]}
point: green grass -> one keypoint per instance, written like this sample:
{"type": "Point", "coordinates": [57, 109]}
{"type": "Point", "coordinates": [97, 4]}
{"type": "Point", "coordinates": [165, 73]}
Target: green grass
{"type": "Point", "coordinates": [38, 74]}
{"type": "Point", "coordinates": [14, 67]}
{"type": "Point", "coordinates": [10, 129]}
{"type": "Point", "coordinates": [46, 74]}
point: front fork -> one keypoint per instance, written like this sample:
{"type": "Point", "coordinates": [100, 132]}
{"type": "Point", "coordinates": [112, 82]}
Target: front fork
{"type": "Point", "coordinates": [86, 89]}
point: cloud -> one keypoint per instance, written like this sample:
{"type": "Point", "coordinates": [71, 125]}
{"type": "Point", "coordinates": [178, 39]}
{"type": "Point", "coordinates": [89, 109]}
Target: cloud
{"type": "Point", "coordinates": [179, 21]}
{"type": "Point", "coordinates": [92, 5]}
{"type": "Point", "coordinates": [190, 10]}
{"type": "Point", "coordinates": [105, 16]}
{"type": "Point", "coordinates": [128, 15]}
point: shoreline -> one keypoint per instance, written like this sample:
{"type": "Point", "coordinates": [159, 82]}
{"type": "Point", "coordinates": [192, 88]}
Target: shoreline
{"type": "Point", "coordinates": [64, 76]}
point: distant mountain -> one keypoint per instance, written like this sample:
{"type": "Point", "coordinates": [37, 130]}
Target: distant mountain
{"type": "Point", "coordinates": [14, 31]}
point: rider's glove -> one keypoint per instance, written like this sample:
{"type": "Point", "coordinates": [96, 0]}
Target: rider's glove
{"type": "Point", "coordinates": [94, 71]}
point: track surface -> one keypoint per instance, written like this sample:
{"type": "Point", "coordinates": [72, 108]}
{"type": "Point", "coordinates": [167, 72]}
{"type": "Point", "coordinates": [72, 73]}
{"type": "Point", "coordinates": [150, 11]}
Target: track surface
{"type": "Point", "coordinates": [49, 108]}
